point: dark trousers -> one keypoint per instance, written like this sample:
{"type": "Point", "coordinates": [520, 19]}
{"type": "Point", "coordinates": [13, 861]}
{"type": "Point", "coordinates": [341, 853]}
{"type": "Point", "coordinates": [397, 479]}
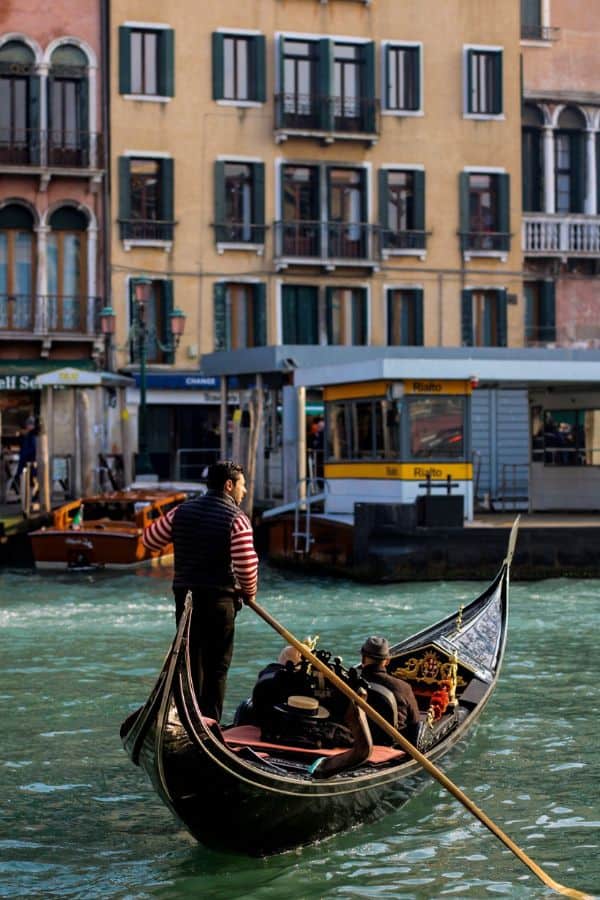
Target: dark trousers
{"type": "Point", "coordinates": [211, 645]}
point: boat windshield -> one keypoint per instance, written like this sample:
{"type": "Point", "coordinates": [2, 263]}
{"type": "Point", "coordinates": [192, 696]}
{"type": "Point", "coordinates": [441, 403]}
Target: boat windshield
{"type": "Point", "coordinates": [115, 511]}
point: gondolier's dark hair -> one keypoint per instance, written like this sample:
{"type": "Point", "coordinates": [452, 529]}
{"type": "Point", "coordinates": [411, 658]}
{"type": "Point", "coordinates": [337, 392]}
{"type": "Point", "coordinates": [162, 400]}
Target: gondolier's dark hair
{"type": "Point", "coordinates": [222, 471]}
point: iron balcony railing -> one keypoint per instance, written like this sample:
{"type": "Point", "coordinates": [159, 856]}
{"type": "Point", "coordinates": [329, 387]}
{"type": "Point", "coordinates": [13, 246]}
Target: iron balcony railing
{"type": "Point", "coordinates": [573, 336]}
{"type": "Point", "coordinates": [485, 241]}
{"type": "Point", "coordinates": [539, 33]}
{"type": "Point", "coordinates": [233, 232]}
{"type": "Point", "coordinates": [547, 234]}
{"type": "Point", "coordinates": [352, 241]}
{"type": "Point", "coordinates": [403, 240]}
{"type": "Point", "coordinates": [146, 229]}
{"type": "Point", "coordinates": [52, 149]}
{"type": "Point", "coordinates": [313, 112]}
{"type": "Point", "coordinates": [52, 313]}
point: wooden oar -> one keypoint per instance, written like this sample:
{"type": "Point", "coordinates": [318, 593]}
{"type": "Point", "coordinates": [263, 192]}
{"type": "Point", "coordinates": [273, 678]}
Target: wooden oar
{"type": "Point", "coordinates": [416, 754]}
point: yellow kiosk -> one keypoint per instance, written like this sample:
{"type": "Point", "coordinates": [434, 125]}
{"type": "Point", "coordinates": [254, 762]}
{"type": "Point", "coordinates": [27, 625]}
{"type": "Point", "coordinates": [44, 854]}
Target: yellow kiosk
{"type": "Point", "coordinates": [392, 441]}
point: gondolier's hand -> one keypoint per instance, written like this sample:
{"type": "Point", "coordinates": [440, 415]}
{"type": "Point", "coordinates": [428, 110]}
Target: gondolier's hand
{"type": "Point", "coordinates": [246, 598]}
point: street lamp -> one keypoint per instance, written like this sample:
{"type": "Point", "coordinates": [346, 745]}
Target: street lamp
{"type": "Point", "coordinates": [139, 335]}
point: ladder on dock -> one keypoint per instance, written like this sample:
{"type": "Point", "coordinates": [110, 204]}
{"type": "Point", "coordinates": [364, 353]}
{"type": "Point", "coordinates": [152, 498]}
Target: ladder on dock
{"type": "Point", "coordinates": [309, 492]}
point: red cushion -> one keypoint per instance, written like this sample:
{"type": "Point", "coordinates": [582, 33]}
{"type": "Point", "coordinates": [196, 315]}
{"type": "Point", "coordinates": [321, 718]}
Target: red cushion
{"type": "Point", "coordinates": [249, 735]}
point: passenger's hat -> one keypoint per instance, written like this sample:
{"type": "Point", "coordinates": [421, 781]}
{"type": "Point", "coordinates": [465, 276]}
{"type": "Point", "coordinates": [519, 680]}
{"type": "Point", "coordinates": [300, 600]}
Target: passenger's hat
{"type": "Point", "coordinates": [376, 648]}
{"type": "Point", "coordinates": [305, 706]}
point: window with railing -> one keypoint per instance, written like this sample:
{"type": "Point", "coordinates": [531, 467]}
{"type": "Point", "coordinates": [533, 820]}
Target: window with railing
{"type": "Point", "coordinates": [17, 268]}
{"type": "Point", "coordinates": [146, 199]}
{"type": "Point", "coordinates": [66, 303]}
{"type": "Point", "coordinates": [484, 211]}
{"type": "Point", "coordinates": [239, 202]}
{"type": "Point", "coordinates": [565, 437]}
{"type": "Point", "coordinates": [19, 105]}
{"type": "Point", "coordinates": [402, 209]}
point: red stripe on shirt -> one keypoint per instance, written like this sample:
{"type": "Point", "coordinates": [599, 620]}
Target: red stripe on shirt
{"type": "Point", "coordinates": [159, 533]}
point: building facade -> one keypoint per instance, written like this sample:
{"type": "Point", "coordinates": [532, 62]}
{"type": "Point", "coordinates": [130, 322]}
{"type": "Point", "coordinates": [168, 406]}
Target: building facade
{"type": "Point", "coordinates": [296, 172]}
{"type": "Point", "coordinates": [52, 247]}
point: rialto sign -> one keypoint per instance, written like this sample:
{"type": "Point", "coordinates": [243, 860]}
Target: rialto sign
{"type": "Point", "coordinates": [22, 382]}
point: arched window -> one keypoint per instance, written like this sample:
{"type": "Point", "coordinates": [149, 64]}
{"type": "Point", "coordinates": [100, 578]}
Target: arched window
{"type": "Point", "coordinates": [17, 276]}
{"type": "Point", "coordinates": [66, 270]}
{"type": "Point", "coordinates": [532, 158]}
{"type": "Point", "coordinates": [19, 105]}
{"type": "Point", "coordinates": [69, 138]}
{"type": "Point", "coordinates": [569, 157]}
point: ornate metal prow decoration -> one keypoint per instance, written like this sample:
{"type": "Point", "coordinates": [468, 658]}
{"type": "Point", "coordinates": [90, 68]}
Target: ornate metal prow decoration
{"type": "Point", "coordinates": [512, 541]}
{"type": "Point", "coordinates": [459, 617]}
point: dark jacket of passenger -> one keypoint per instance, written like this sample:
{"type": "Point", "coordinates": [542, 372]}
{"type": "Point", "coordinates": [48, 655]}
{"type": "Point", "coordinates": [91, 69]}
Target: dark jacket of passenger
{"type": "Point", "coordinates": [201, 532]}
{"type": "Point", "coordinates": [408, 709]}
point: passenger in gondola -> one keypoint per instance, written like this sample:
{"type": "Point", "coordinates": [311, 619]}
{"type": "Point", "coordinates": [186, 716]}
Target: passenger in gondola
{"type": "Point", "coordinates": [392, 697]}
{"type": "Point", "coordinates": [275, 683]}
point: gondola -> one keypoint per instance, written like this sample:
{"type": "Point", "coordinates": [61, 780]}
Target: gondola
{"type": "Point", "coordinates": [234, 791]}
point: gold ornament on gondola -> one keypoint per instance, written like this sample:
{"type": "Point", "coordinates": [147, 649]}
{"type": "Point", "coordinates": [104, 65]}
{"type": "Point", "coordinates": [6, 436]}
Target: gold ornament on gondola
{"type": "Point", "coordinates": [459, 617]}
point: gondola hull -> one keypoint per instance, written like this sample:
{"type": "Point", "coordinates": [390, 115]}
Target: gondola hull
{"type": "Point", "coordinates": [234, 792]}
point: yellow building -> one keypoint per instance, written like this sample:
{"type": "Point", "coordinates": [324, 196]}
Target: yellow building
{"type": "Point", "coordinates": [299, 172]}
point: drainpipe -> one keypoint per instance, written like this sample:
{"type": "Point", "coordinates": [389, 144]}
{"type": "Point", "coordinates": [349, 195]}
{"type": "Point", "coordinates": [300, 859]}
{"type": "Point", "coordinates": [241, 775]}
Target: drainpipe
{"type": "Point", "coordinates": [105, 158]}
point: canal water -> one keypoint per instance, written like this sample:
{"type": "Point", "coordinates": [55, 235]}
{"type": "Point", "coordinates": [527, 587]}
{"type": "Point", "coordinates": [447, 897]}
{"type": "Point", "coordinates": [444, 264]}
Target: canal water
{"type": "Point", "coordinates": [77, 820]}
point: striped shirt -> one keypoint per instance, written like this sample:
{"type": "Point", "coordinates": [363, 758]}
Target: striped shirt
{"type": "Point", "coordinates": [243, 555]}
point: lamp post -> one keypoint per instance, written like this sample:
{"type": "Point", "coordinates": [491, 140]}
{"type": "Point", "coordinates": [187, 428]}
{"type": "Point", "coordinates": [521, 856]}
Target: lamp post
{"type": "Point", "coordinates": [139, 335]}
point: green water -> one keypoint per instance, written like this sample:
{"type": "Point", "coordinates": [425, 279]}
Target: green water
{"type": "Point", "coordinates": [78, 820]}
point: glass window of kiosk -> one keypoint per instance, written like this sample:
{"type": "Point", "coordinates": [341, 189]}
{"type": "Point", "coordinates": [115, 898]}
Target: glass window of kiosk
{"type": "Point", "coordinates": [436, 427]}
{"type": "Point", "coordinates": [565, 437]}
{"type": "Point", "coordinates": [363, 429]}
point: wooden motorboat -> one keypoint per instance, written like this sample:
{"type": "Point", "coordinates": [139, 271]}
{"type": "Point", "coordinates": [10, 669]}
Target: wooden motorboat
{"type": "Point", "coordinates": [104, 531]}
{"type": "Point", "coordinates": [235, 791]}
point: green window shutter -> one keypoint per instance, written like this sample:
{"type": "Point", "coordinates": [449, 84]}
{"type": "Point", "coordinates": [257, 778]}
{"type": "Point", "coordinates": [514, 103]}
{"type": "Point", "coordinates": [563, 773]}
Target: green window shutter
{"type": "Point", "coordinates": [259, 314]}
{"type": "Point", "coordinates": [467, 318]}
{"type": "Point", "coordinates": [578, 167]}
{"type": "Point", "coordinates": [501, 311]}
{"type": "Point", "coordinates": [124, 60]}
{"type": "Point", "coordinates": [324, 98]}
{"type": "Point", "coordinates": [469, 79]}
{"type": "Point", "coordinates": [497, 78]}
{"type": "Point", "coordinates": [419, 200]}
{"type": "Point", "coordinates": [166, 202]}
{"type": "Point", "coordinates": [166, 62]}
{"type": "Point", "coordinates": [221, 318]}
{"type": "Point", "coordinates": [390, 316]}
{"type": "Point", "coordinates": [34, 119]}
{"type": "Point", "coordinates": [503, 188]}
{"type": "Point", "coordinates": [464, 209]}
{"type": "Point", "coordinates": [124, 192]}
{"type": "Point", "coordinates": [383, 198]}
{"type": "Point", "coordinates": [307, 319]}
{"type": "Point", "coordinates": [217, 66]}
{"type": "Point", "coordinates": [531, 168]}
{"type": "Point", "coordinates": [167, 308]}
{"type": "Point", "coordinates": [260, 68]}
{"type": "Point", "coordinates": [418, 317]}
{"type": "Point", "coordinates": [359, 316]}
{"type": "Point", "coordinates": [416, 65]}
{"type": "Point", "coordinates": [289, 303]}
{"type": "Point", "coordinates": [531, 13]}
{"type": "Point", "coordinates": [329, 313]}
{"type": "Point", "coordinates": [547, 311]}
{"type": "Point", "coordinates": [258, 203]}
{"type": "Point", "coordinates": [385, 87]}
{"type": "Point", "coordinates": [368, 92]}
{"type": "Point", "coordinates": [530, 330]}
{"type": "Point", "coordinates": [282, 87]}
{"type": "Point", "coordinates": [220, 231]}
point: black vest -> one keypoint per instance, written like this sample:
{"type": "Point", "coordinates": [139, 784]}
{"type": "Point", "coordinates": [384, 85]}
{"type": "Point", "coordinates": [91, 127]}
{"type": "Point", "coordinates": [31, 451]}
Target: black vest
{"type": "Point", "coordinates": [201, 531]}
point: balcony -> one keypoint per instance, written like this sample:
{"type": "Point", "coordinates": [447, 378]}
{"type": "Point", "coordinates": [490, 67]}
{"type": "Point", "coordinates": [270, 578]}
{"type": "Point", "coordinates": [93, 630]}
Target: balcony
{"type": "Point", "coordinates": [240, 236]}
{"type": "Point", "coordinates": [328, 244]}
{"type": "Point", "coordinates": [326, 118]}
{"type": "Point", "coordinates": [147, 232]}
{"type": "Point", "coordinates": [403, 243]}
{"type": "Point", "coordinates": [568, 336]}
{"type": "Point", "coordinates": [63, 315]}
{"type": "Point", "coordinates": [539, 33]}
{"type": "Point", "coordinates": [546, 234]}
{"type": "Point", "coordinates": [50, 153]}
{"type": "Point", "coordinates": [484, 243]}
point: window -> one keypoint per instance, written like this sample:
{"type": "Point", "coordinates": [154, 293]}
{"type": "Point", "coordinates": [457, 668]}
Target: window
{"type": "Point", "coordinates": [146, 199]}
{"type": "Point", "coordinates": [239, 202]}
{"type": "Point", "coordinates": [68, 108]}
{"type": "Point", "coordinates": [240, 316]}
{"type": "Point", "coordinates": [239, 67]}
{"type": "Point", "coordinates": [483, 82]}
{"type": "Point", "coordinates": [326, 86]}
{"type": "Point", "coordinates": [17, 271]}
{"type": "Point", "coordinates": [405, 317]}
{"type": "Point", "coordinates": [565, 437]}
{"type": "Point", "coordinates": [156, 312]}
{"type": "Point", "coordinates": [402, 209]}
{"type": "Point", "coordinates": [484, 209]}
{"type": "Point", "coordinates": [569, 174]}
{"type": "Point", "coordinates": [66, 271]}
{"type": "Point", "coordinates": [346, 314]}
{"type": "Point", "coordinates": [531, 20]}
{"type": "Point", "coordinates": [19, 105]}
{"type": "Point", "coordinates": [532, 159]}
{"type": "Point", "coordinates": [484, 318]}
{"type": "Point", "coordinates": [403, 78]}
{"type": "Point", "coordinates": [344, 234]}
{"type": "Point", "coordinates": [300, 314]}
{"type": "Point", "coordinates": [362, 429]}
{"type": "Point", "coordinates": [540, 312]}
{"type": "Point", "coordinates": [436, 427]}
{"type": "Point", "coordinates": [147, 61]}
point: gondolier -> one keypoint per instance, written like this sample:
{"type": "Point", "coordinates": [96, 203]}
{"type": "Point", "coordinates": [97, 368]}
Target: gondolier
{"type": "Point", "coordinates": [214, 559]}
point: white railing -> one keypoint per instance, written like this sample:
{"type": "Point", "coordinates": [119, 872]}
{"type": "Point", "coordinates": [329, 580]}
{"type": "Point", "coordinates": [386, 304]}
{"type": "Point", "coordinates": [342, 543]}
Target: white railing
{"type": "Point", "coordinates": [564, 235]}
